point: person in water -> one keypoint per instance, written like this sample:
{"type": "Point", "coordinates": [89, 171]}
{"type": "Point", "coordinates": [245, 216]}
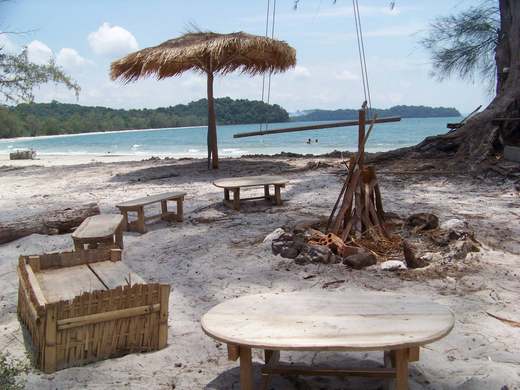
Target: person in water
{"type": "Point", "coordinates": [309, 141]}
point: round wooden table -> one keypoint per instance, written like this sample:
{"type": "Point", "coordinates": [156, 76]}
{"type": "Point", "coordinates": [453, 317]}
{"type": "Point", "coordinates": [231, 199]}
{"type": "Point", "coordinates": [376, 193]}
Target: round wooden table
{"type": "Point", "coordinates": [327, 321]}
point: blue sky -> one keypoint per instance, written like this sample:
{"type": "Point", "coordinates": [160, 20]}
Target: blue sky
{"type": "Point", "coordinates": [85, 36]}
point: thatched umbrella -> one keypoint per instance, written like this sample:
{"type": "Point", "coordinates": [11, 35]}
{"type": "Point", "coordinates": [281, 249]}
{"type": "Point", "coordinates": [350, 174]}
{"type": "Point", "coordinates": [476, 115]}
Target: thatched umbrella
{"type": "Point", "coordinates": [209, 53]}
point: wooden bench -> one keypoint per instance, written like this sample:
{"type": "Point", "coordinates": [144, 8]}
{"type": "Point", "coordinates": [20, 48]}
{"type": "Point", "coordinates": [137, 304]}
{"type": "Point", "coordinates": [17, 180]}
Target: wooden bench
{"type": "Point", "coordinates": [234, 185]}
{"type": "Point", "coordinates": [99, 230]}
{"type": "Point", "coordinates": [138, 205]}
{"type": "Point", "coordinates": [327, 321]}
{"type": "Point", "coordinates": [85, 306]}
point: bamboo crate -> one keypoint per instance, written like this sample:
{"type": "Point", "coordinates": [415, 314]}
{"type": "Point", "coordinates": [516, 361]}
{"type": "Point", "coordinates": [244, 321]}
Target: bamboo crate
{"type": "Point", "coordinates": [80, 307]}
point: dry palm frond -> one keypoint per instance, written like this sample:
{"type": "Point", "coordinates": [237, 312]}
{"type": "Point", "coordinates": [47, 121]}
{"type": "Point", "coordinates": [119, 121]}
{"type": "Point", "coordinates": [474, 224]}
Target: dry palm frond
{"type": "Point", "coordinates": [207, 52]}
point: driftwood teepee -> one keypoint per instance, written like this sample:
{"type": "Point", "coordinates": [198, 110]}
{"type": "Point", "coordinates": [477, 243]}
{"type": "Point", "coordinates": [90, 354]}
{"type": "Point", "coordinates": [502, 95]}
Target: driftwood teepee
{"type": "Point", "coordinates": [358, 211]}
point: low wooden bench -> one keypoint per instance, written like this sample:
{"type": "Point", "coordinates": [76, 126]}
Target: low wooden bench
{"type": "Point", "coordinates": [99, 230]}
{"type": "Point", "coordinates": [85, 306]}
{"type": "Point", "coordinates": [138, 205]}
{"type": "Point", "coordinates": [234, 184]}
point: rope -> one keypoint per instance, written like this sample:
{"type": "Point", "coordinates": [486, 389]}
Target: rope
{"type": "Point", "coordinates": [362, 56]}
{"type": "Point", "coordinates": [272, 37]}
{"type": "Point", "coordinates": [266, 35]}
{"type": "Point", "coordinates": [267, 17]}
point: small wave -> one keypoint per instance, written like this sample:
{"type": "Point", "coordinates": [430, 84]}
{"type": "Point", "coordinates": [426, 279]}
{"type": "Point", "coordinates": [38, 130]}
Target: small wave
{"type": "Point", "coordinates": [193, 150]}
{"type": "Point", "coordinates": [136, 146]}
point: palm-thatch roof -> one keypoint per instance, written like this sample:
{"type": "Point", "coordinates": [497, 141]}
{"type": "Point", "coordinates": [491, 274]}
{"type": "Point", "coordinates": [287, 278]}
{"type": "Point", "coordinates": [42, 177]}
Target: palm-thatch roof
{"type": "Point", "coordinates": [207, 52]}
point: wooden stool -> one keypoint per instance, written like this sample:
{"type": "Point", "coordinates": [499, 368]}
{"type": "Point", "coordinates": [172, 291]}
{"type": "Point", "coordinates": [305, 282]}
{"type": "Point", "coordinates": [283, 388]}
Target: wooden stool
{"type": "Point", "coordinates": [99, 230]}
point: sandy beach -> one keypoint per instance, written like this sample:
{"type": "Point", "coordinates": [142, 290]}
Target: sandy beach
{"type": "Point", "coordinates": [217, 254]}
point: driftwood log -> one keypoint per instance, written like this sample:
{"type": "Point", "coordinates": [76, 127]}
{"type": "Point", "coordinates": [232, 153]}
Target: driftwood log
{"type": "Point", "coordinates": [51, 222]}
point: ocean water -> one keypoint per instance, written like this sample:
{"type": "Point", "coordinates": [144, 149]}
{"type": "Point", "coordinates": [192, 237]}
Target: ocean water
{"type": "Point", "coordinates": [191, 141]}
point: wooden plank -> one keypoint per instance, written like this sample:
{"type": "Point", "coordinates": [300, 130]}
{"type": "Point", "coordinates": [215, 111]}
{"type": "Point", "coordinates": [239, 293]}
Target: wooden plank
{"type": "Point", "coordinates": [115, 274]}
{"type": "Point", "coordinates": [75, 322]}
{"type": "Point", "coordinates": [401, 368]}
{"type": "Point", "coordinates": [314, 127]}
{"type": "Point", "coordinates": [250, 181]}
{"type": "Point", "coordinates": [286, 369]}
{"type": "Point", "coordinates": [164, 295]}
{"type": "Point", "coordinates": [151, 199]}
{"type": "Point", "coordinates": [49, 365]}
{"type": "Point", "coordinates": [35, 286]}
{"type": "Point", "coordinates": [246, 369]}
{"type": "Point", "coordinates": [67, 283]}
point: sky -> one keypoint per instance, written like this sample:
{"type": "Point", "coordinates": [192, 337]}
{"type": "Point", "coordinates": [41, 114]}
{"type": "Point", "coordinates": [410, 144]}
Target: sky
{"type": "Point", "coordinates": [84, 37]}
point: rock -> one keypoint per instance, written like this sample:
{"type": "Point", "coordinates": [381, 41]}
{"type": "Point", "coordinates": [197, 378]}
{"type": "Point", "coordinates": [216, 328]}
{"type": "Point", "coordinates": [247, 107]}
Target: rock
{"type": "Point", "coordinates": [410, 256]}
{"type": "Point", "coordinates": [274, 235]}
{"type": "Point", "coordinates": [393, 265]}
{"type": "Point", "coordinates": [290, 252]}
{"type": "Point", "coordinates": [319, 254]}
{"type": "Point", "coordinates": [454, 224]}
{"type": "Point", "coordinates": [462, 248]}
{"type": "Point", "coordinates": [422, 221]}
{"type": "Point", "coordinates": [276, 246]}
{"type": "Point", "coordinates": [360, 260]}
{"type": "Point", "coordinates": [302, 259]}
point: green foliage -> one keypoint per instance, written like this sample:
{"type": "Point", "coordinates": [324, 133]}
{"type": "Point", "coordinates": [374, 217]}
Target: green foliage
{"type": "Point", "coordinates": [464, 44]}
{"type": "Point", "coordinates": [18, 77]}
{"type": "Point", "coordinates": [32, 119]}
{"type": "Point", "coordinates": [402, 111]}
{"type": "Point", "coordinates": [12, 372]}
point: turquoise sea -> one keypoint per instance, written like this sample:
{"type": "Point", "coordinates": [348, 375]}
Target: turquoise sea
{"type": "Point", "coordinates": [191, 141]}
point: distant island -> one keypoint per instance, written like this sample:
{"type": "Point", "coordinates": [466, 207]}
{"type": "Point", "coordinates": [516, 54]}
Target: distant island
{"type": "Point", "coordinates": [35, 119]}
{"type": "Point", "coordinates": [402, 111]}
{"type": "Point", "coordinates": [29, 120]}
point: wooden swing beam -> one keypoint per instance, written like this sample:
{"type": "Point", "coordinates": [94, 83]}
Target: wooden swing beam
{"type": "Point", "coordinates": [315, 127]}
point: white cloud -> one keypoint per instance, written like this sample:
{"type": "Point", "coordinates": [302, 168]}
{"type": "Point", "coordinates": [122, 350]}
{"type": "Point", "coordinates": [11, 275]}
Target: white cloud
{"type": "Point", "coordinates": [70, 59]}
{"type": "Point", "coordinates": [39, 53]}
{"type": "Point", "coordinates": [347, 75]}
{"type": "Point", "coordinates": [301, 71]}
{"type": "Point", "coordinates": [111, 40]}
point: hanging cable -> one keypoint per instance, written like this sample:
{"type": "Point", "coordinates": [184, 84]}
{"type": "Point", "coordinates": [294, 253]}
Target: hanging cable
{"type": "Point", "coordinates": [272, 37]}
{"type": "Point", "coordinates": [266, 35]}
{"type": "Point", "coordinates": [362, 56]}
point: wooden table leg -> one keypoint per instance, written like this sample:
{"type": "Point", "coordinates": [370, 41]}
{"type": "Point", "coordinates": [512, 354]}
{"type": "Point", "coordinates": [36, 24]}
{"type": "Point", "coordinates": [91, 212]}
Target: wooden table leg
{"type": "Point", "coordinates": [226, 194]}
{"type": "Point", "coordinates": [125, 220]}
{"type": "Point", "coordinates": [164, 209]}
{"type": "Point", "coordinates": [270, 357]}
{"type": "Point", "coordinates": [401, 368]}
{"type": "Point", "coordinates": [246, 369]}
{"type": "Point", "coordinates": [78, 245]}
{"type": "Point", "coordinates": [119, 236]}
{"type": "Point", "coordinates": [140, 220]}
{"type": "Point", "coordinates": [266, 192]}
{"type": "Point", "coordinates": [236, 199]}
{"type": "Point", "coordinates": [277, 195]}
{"type": "Point", "coordinates": [180, 210]}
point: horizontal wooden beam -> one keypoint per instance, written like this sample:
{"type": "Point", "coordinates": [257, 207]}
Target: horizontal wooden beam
{"type": "Point", "coordinates": [107, 316]}
{"type": "Point", "coordinates": [286, 369]}
{"type": "Point", "coordinates": [315, 127]}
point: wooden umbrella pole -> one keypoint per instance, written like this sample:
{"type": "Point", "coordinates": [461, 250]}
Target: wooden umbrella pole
{"type": "Point", "coordinates": [212, 126]}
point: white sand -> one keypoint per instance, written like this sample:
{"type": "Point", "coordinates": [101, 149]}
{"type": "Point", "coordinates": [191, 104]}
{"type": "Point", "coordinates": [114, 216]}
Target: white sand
{"type": "Point", "coordinates": [217, 254]}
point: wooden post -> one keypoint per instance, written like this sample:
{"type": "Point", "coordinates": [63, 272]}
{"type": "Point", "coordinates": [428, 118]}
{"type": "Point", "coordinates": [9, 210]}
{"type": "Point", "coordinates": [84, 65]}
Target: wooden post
{"type": "Point", "coordinates": [49, 365]}
{"type": "Point", "coordinates": [78, 245]}
{"type": "Point", "coordinates": [236, 199]}
{"type": "Point", "coordinates": [361, 138]}
{"type": "Point", "coordinates": [226, 194]}
{"type": "Point", "coordinates": [34, 262]}
{"type": "Point", "coordinates": [180, 210]}
{"type": "Point", "coordinates": [140, 220]}
{"type": "Point", "coordinates": [246, 369]}
{"type": "Point", "coordinates": [277, 195]}
{"type": "Point", "coordinates": [266, 192]}
{"type": "Point", "coordinates": [164, 295]}
{"type": "Point", "coordinates": [119, 236]}
{"type": "Point", "coordinates": [164, 209]}
{"type": "Point", "coordinates": [401, 368]}
{"type": "Point", "coordinates": [212, 123]}
{"type": "Point", "coordinates": [115, 255]}
{"type": "Point", "coordinates": [233, 352]}
{"type": "Point", "coordinates": [125, 220]}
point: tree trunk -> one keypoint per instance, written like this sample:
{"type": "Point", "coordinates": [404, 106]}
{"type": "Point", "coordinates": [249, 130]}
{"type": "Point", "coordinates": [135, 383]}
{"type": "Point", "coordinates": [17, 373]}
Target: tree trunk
{"type": "Point", "coordinates": [51, 222]}
{"type": "Point", "coordinates": [480, 139]}
{"type": "Point", "coordinates": [212, 127]}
